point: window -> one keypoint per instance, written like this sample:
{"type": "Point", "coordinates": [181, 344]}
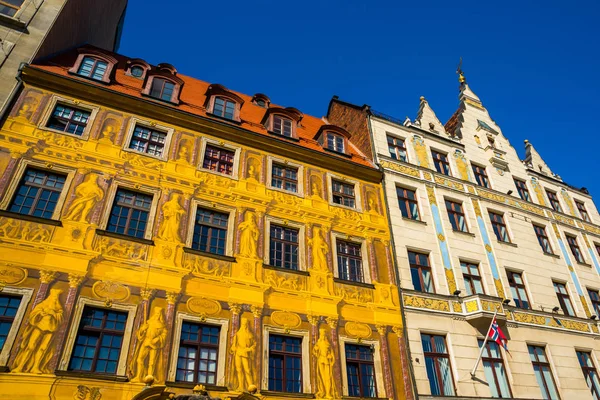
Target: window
{"type": "Point", "coordinates": [283, 247]}
{"type": "Point", "coordinates": [563, 298]}
{"type": "Point", "coordinates": [499, 227]}
{"type": "Point", "coordinates": [397, 148]}
{"type": "Point", "coordinates": [440, 160]}
{"type": "Point", "coordinates": [543, 373]}
{"type": "Point", "coordinates": [582, 211]}
{"type": "Point", "coordinates": [210, 231]}
{"type": "Point", "coordinates": [137, 71]}
{"type": "Point", "coordinates": [522, 189]}
{"type": "Point", "coordinates": [595, 298]}
{"type": "Point", "coordinates": [129, 213]}
{"type": "Point", "coordinates": [284, 177]}
{"type": "Point", "coordinates": [493, 367]}
{"type": "Point", "coordinates": [224, 108]}
{"type": "Point", "coordinates": [554, 201]}
{"type": "Point", "coordinates": [98, 342]}
{"type": "Point", "coordinates": [10, 7]}
{"type": "Point", "coordinates": [360, 370]}
{"type": "Point", "coordinates": [68, 119]}
{"type": "Point", "coordinates": [589, 372]}
{"type": "Point", "coordinates": [162, 89]}
{"type": "Point", "coordinates": [456, 216]}
{"type": "Point", "coordinates": [542, 237]}
{"type": "Point", "coordinates": [282, 126]}
{"type": "Point", "coordinates": [437, 363]}
{"type": "Point", "coordinates": [420, 272]}
{"type": "Point", "coordinates": [575, 250]}
{"type": "Point", "coordinates": [597, 246]}
{"type": "Point", "coordinates": [92, 67]}
{"type": "Point", "coordinates": [480, 175]}
{"type": "Point", "coordinates": [343, 193]}
{"type": "Point", "coordinates": [285, 363]}
{"type": "Point", "coordinates": [218, 160]}
{"type": "Point", "coordinates": [517, 289]}
{"type": "Point", "coordinates": [349, 260]}
{"type": "Point", "coordinates": [37, 193]}
{"type": "Point", "coordinates": [9, 305]}
{"type": "Point", "coordinates": [149, 141]}
{"type": "Point", "coordinates": [198, 350]}
{"type": "Point", "coordinates": [335, 142]}
{"type": "Point", "coordinates": [407, 200]}
{"type": "Point", "coordinates": [472, 278]}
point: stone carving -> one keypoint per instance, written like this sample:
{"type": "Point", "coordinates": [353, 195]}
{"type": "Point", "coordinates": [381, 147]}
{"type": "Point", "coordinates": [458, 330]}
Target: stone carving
{"type": "Point", "coordinates": [323, 351]}
{"type": "Point", "coordinates": [10, 275]}
{"type": "Point", "coordinates": [203, 266]}
{"type": "Point", "coordinates": [253, 169]}
{"type": "Point", "coordinates": [28, 106]}
{"type": "Point", "coordinates": [152, 337]}
{"type": "Point", "coordinates": [358, 329]}
{"type": "Point", "coordinates": [204, 307]}
{"type": "Point", "coordinates": [423, 302]}
{"type": "Point", "coordinates": [23, 230]}
{"type": "Point", "coordinates": [319, 250]}
{"type": "Point", "coordinates": [372, 205]}
{"type": "Point", "coordinates": [61, 140]}
{"type": "Point", "coordinates": [110, 127]}
{"type": "Point", "coordinates": [121, 248]}
{"type": "Point", "coordinates": [183, 154]}
{"type": "Point", "coordinates": [421, 151]}
{"type": "Point", "coordinates": [110, 291]}
{"type": "Point", "coordinates": [315, 186]}
{"type": "Point", "coordinates": [538, 192]}
{"type": "Point", "coordinates": [243, 348]}
{"type": "Point", "coordinates": [285, 319]}
{"type": "Point", "coordinates": [449, 183]}
{"type": "Point", "coordinates": [87, 194]}
{"type": "Point", "coordinates": [461, 163]}
{"type": "Point", "coordinates": [36, 349]}
{"type": "Point", "coordinates": [172, 212]}
{"type": "Point", "coordinates": [135, 160]}
{"type": "Point", "coordinates": [404, 169]}
{"type": "Point", "coordinates": [87, 393]}
{"type": "Point", "coordinates": [249, 236]}
{"type": "Point", "coordinates": [282, 281]}
{"type": "Point", "coordinates": [286, 199]}
{"type": "Point", "coordinates": [354, 294]}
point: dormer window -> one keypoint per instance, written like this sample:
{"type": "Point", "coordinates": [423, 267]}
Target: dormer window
{"type": "Point", "coordinates": [223, 103]}
{"type": "Point", "coordinates": [162, 89]}
{"type": "Point", "coordinates": [261, 100]}
{"type": "Point", "coordinates": [93, 68]}
{"type": "Point", "coordinates": [224, 108]}
{"type": "Point", "coordinates": [282, 126]}
{"type": "Point", "coordinates": [137, 71]}
{"type": "Point", "coordinates": [93, 64]}
{"type": "Point", "coordinates": [333, 138]}
{"type": "Point", "coordinates": [335, 142]}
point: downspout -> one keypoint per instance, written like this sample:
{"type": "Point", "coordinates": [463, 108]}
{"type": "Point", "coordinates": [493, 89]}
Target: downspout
{"type": "Point", "coordinates": [395, 261]}
{"type": "Point", "coordinates": [13, 95]}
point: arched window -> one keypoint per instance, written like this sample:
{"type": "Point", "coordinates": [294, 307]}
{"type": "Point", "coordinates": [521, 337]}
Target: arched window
{"type": "Point", "coordinates": [224, 107]}
{"type": "Point", "coordinates": [137, 71]}
{"type": "Point", "coordinates": [92, 67]}
{"type": "Point", "coordinates": [93, 64]}
{"type": "Point", "coordinates": [162, 89]}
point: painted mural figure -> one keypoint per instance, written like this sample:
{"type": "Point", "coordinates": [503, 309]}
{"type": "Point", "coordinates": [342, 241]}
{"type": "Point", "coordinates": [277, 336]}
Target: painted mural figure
{"type": "Point", "coordinates": [152, 337]}
{"type": "Point", "coordinates": [109, 129]}
{"type": "Point", "coordinates": [172, 213]}
{"type": "Point", "coordinates": [36, 350]}
{"type": "Point", "coordinates": [325, 360]}
{"type": "Point", "coordinates": [243, 348]}
{"type": "Point", "coordinates": [319, 250]}
{"type": "Point", "coordinates": [87, 194]}
{"type": "Point", "coordinates": [249, 236]}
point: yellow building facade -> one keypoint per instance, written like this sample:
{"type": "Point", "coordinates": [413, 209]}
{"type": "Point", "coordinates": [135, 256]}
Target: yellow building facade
{"type": "Point", "coordinates": [158, 232]}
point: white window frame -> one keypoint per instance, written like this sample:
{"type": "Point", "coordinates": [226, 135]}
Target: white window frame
{"type": "Point", "coordinates": [357, 195]}
{"type": "Point", "coordinates": [54, 100]}
{"type": "Point", "coordinates": [223, 325]}
{"type": "Point", "coordinates": [130, 309]}
{"type": "Point", "coordinates": [306, 354]}
{"type": "Point", "coordinates": [236, 158]}
{"type": "Point", "coordinates": [26, 295]}
{"type": "Point", "coordinates": [110, 200]}
{"type": "Point", "coordinates": [18, 176]}
{"type": "Point", "coordinates": [379, 378]}
{"type": "Point", "coordinates": [231, 211]}
{"type": "Point", "coordinates": [366, 267]}
{"type": "Point", "coordinates": [133, 122]}
{"type": "Point", "coordinates": [301, 242]}
{"type": "Point", "coordinates": [274, 160]}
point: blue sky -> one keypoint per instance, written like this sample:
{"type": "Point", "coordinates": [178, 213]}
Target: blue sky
{"type": "Point", "coordinates": [534, 64]}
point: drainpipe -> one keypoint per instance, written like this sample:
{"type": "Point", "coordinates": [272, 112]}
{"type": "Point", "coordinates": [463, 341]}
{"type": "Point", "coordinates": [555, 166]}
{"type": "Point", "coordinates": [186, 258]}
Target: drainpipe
{"type": "Point", "coordinates": [13, 95]}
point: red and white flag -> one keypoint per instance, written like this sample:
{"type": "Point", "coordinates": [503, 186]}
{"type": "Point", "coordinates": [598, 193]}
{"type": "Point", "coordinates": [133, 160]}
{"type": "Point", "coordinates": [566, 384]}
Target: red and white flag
{"type": "Point", "coordinates": [497, 335]}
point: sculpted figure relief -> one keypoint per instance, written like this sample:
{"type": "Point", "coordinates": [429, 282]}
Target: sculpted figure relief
{"type": "Point", "coordinates": [253, 166]}
{"type": "Point", "coordinates": [183, 154]}
{"type": "Point", "coordinates": [172, 212]}
{"type": "Point", "coordinates": [152, 337]}
{"type": "Point", "coordinates": [315, 186]}
{"type": "Point", "coordinates": [243, 348]}
{"type": "Point", "coordinates": [87, 194]}
{"type": "Point", "coordinates": [109, 129]}
{"type": "Point", "coordinates": [319, 250]}
{"type": "Point", "coordinates": [325, 360]}
{"type": "Point", "coordinates": [36, 349]}
{"type": "Point", "coordinates": [249, 235]}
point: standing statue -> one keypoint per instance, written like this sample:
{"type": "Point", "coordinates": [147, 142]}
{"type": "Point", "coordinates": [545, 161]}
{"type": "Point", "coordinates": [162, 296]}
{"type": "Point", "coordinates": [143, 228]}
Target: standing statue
{"type": "Point", "coordinates": [319, 250]}
{"type": "Point", "coordinates": [172, 212]}
{"type": "Point", "coordinates": [243, 348]}
{"type": "Point", "coordinates": [183, 154]}
{"type": "Point", "coordinates": [87, 194]}
{"type": "Point", "coordinates": [36, 350]}
{"type": "Point", "coordinates": [152, 337]}
{"type": "Point", "coordinates": [325, 360]}
{"type": "Point", "coordinates": [315, 187]}
{"type": "Point", "coordinates": [249, 235]}
{"type": "Point", "coordinates": [109, 129]}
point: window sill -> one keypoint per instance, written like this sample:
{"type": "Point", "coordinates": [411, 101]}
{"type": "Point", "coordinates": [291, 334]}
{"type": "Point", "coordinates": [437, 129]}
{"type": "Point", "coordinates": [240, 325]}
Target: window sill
{"type": "Point", "coordinates": [91, 375]}
{"type": "Point", "coordinates": [291, 271]}
{"type": "Point", "coordinates": [290, 138]}
{"type": "Point", "coordinates": [584, 264]}
{"type": "Point", "coordinates": [84, 136]}
{"type": "Point", "coordinates": [87, 78]}
{"type": "Point", "coordinates": [189, 250]}
{"type": "Point", "coordinates": [210, 171]}
{"type": "Point", "coordinates": [100, 232]}
{"type": "Point", "coordinates": [128, 150]}
{"type": "Point", "coordinates": [464, 233]}
{"type": "Point", "coordinates": [4, 368]}
{"type": "Point", "coordinates": [160, 101]}
{"type": "Point", "coordinates": [297, 194]}
{"type": "Point", "coordinates": [343, 206]}
{"type": "Point", "coordinates": [287, 394]}
{"type": "Point", "coordinates": [551, 255]}
{"type": "Point", "coordinates": [191, 385]}
{"type": "Point", "coordinates": [30, 218]}
{"type": "Point", "coordinates": [12, 21]}
{"type": "Point", "coordinates": [414, 220]}
{"type": "Point", "coordinates": [353, 283]}
{"type": "Point", "coordinates": [362, 398]}
{"type": "Point", "coordinates": [337, 153]}
{"type": "Point", "coordinates": [507, 243]}
{"type": "Point", "coordinates": [233, 121]}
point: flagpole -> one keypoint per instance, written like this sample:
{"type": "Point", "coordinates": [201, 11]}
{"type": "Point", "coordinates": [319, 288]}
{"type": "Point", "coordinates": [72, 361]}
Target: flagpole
{"type": "Point", "coordinates": [487, 335]}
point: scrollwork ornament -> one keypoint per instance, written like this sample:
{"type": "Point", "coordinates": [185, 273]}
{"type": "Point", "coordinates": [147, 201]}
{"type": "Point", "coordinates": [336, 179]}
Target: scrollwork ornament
{"type": "Point", "coordinates": [48, 276]}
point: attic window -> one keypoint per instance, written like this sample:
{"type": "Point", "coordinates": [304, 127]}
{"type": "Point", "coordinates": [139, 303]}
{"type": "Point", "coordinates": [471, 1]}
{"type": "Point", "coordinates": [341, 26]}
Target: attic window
{"type": "Point", "coordinates": [261, 100]}
{"type": "Point", "coordinates": [93, 64]}
{"type": "Point", "coordinates": [260, 103]}
{"type": "Point", "coordinates": [136, 71]}
{"type": "Point", "coordinates": [223, 107]}
{"type": "Point", "coordinates": [223, 103]}
{"type": "Point", "coordinates": [283, 126]}
{"type": "Point", "coordinates": [92, 67]}
{"type": "Point", "coordinates": [335, 142]}
{"type": "Point", "coordinates": [161, 87]}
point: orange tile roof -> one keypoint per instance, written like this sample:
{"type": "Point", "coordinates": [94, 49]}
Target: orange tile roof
{"type": "Point", "coordinates": [192, 99]}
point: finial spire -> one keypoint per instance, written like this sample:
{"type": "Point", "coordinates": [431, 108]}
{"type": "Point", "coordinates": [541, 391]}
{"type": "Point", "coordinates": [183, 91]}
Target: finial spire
{"type": "Point", "coordinates": [459, 71]}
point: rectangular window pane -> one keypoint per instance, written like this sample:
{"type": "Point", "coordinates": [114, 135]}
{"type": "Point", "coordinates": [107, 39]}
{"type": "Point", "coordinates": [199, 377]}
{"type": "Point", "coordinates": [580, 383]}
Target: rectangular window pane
{"type": "Point", "coordinates": [210, 231]}
{"type": "Point", "coordinates": [129, 213]}
{"type": "Point", "coordinates": [37, 193]}
{"type": "Point", "coordinates": [437, 364]}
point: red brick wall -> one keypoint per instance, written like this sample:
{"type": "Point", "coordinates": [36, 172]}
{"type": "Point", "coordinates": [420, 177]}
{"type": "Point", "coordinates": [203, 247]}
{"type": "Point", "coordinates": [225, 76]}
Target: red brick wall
{"type": "Point", "coordinates": [355, 120]}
